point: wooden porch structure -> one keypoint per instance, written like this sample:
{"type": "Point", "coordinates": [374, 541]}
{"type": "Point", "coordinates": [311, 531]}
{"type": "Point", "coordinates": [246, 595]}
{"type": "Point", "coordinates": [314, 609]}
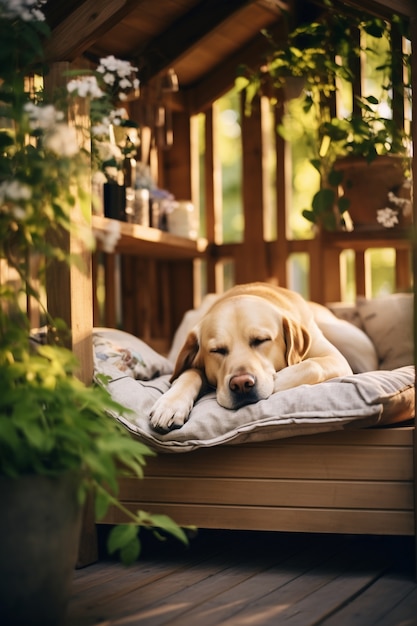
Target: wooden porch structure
{"type": "Point", "coordinates": [152, 277]}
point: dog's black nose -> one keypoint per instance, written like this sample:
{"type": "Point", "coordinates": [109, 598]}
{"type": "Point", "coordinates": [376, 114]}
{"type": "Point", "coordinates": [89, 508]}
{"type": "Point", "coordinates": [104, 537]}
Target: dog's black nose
{"type": "Point", "coordinates": [242, 383]}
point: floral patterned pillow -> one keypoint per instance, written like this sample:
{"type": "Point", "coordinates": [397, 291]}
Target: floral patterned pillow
{"type": "Point", "coordinates": [116, 352]}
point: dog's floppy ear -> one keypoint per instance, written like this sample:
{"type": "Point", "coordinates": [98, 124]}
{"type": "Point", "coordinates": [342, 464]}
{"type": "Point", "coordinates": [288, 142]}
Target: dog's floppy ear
{"type": "Point", "coordinates": [186, 356]}
{"type": "Point", "coordinates": [297, 340]}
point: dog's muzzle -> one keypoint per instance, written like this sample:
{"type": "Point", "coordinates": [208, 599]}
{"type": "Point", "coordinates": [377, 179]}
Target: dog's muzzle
{"type": "Point", "coordinates": [243, 390]}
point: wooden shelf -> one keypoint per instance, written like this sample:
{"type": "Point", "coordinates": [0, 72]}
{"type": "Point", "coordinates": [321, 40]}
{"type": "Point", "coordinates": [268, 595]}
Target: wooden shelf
{"type": "Point", "coordinates": [150, 242]}
{"type": "Point", "coordinates": [360, 239]}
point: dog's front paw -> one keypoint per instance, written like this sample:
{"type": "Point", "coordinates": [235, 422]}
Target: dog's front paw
{"type": "Point", "coordinates": [167, 414]}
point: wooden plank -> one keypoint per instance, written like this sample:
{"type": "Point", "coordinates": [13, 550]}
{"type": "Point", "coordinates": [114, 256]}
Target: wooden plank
{"type": "Point", "coordinates": [95, 272]}
{"type": "Point", "coordinates": [72, 36]}
{"type": "Point", "coordinates": [375, 604]}
{"type": "Point", "coordinates": [177, 160]}
{"type": "Point", "coordinates": [387, 7]}
{"type": "Point", "coordinates": [308, 493]}
{"type": "Point", "coordinates": [279, 249]}
{"type": "Point", "coordinates": [110, 291]}
{"type": "Point", "coordinates": [251, 261]}
{"type": "Point", "coordinates": [128, 295]}
{"type": "Point", "coordinates": [253, 172]}
{"type": "Point", "coordinates": [403, 275]}
{"type": "Point", "coordinates": [151, 242]}
{"type": "Point", "coordinates": [229, 592]}
{"type": "Point", "coordinates": [235, 578]}
{"type": "Point", "coordinates": [319, 592]}
{"type": "Point", "coordinates": [196, 576]}
{"type": "Point", "coordinates": [362, 286]}
{"type": "Point", "coordinates": [109, 584]}
{"type": "Point", "coordinates": [185, 34]}
{"type": "Point", "coordinates": [332, 285]}
{"type": "Point", "coordinates": [317, 270]}
{"type": "Point", "coordinates": [213, 196]}
{"type": "Point", "coordinates": [362, 240]}
{"type": "Point", "coordinates": [311, 462]}
{"type": "Point", "coordinates": [280, 519]}
{"type": "Point", "coordinates": [220, 79]}
{"type": "Point", "coordinates": [399, 613]}
{"type": "Point", "coordinates": [393, 436]}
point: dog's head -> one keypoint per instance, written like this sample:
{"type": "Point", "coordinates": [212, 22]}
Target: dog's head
{"type": "Point", "coordinates": [239, 345]}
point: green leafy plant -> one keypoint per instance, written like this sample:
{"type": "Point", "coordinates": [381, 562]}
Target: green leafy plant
{"type": "Point", "coordinates": [50, 422]}
{"type": "Point", "coordinates": [322, 54]}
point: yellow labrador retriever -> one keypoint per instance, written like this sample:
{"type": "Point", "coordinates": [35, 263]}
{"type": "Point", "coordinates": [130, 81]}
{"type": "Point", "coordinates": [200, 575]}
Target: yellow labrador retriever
{"type": "Point", "coordinates": [255, 340]}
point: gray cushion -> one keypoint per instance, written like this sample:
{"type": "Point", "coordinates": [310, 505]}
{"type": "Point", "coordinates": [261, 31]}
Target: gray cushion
{"type": "Point", "coordinates": [358, 400]}
{"type": "Point", "coordinates": [388, 321]}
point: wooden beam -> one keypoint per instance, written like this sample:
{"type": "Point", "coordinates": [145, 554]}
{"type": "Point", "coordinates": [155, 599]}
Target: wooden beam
{"type": "Point", "coordinates": [386, 7]}
{"type": "Point", "coordinates": [183, 35]}
{"type": "Point", "coordinates": [216, 83]}
{"type": "Point", "coordinates": [82, 27]}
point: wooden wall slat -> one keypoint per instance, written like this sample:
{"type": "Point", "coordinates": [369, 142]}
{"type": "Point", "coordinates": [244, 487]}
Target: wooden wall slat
{"type": "Point", "coordinates": [281, 519]}
{"type": "Point", "coordinates": [281, 461]}
{"type": "Point", "coordinates": [268, 492]}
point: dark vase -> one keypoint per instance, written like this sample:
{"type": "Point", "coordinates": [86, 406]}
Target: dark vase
{"type": "Point", "coordinates": [40, 522]}
{"type": "Point", "coordinates": [114, 197]}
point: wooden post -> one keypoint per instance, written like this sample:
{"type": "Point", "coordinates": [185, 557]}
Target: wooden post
{"type": "Point", "coordinates": [283, 196]}
{"type": "Point", "coordinates": [69, 297]}
{"type": "Point", "coordinates": [251, 263]}
{"type": "Point", "coordinates": [63, 281]}
{"type": "Point", "coordinates": [213, 195]}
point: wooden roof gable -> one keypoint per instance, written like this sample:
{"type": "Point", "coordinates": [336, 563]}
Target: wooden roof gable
{"type": "Point", "coordinates": [194, 36]}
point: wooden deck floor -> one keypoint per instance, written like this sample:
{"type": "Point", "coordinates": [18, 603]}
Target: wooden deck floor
{"type": "Point", "coordinates": [254, 579]}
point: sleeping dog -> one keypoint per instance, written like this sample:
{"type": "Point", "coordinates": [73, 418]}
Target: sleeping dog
{"type": "Point", "coordinates": [255, 340]}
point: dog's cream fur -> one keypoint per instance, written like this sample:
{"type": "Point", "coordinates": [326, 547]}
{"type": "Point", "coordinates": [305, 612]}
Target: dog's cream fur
{"type": "Point", "coordinates": [255, 340]}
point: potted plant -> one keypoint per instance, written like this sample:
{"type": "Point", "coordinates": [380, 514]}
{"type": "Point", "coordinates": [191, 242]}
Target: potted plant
{"type": "Point", "coordinates": [114, 135]}
{"type": "Point", "coordinates": [373, 169]}
{"type": "Point", "coordinates": [322, 54]}
{"type": "Point", "coordinates": [57, 441]}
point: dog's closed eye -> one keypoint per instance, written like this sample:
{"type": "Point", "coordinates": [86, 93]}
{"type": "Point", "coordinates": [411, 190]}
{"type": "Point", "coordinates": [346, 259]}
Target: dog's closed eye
{"type": "Point", "coordinates": [220, 350]}
{"type": "Point", "coordinates": [258, 341]}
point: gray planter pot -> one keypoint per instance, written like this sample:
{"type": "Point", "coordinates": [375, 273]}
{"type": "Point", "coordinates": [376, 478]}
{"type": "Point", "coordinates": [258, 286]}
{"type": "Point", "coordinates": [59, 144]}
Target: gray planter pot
{"type": "Point", "coordinates": [40, 521]}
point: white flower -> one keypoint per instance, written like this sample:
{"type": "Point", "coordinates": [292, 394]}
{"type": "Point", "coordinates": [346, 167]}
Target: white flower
{"type": "Point", "coordinates": [118, 66]}
{"type": "Point", "coordinates": [62, 140]}
{"type": "Point", "coordinates": [404, 205]}
{"type": "Point", "coordinates": [109, 78]}
{"type": "Point", "coordinates": [117, 115]}
{"type": "Point", "coordinates": [125, 83]}
{"type": "Point", "coordinates": [85, 87]}
{"type": "Point", "coordinates": [387, 217]}
{"type": "Point", "coordinates": [111, 172]}
{"type": "Point", "coordinates": [110, 236]}
{"type": "Point", "coordinates": [100, 129]}
{"type": "Point", "coordinates": [26, 10]}
{"type": "Point", "coordinates": [108, 63]}
{"type": "Point", "coordinates": [108, 151]}
{"type": "Point", "coordinates": [18, 213]}
{"type": "Point", "coordinates": [14, 190]}
{"type": "Point", "coordinates": [98, 178]}
{"type": "Point", "coordinates": [42, 117]}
